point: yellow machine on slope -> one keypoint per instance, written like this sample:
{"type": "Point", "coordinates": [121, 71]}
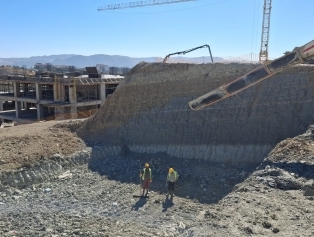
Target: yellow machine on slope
{"type": "Point", "coordinates": [299, 55]}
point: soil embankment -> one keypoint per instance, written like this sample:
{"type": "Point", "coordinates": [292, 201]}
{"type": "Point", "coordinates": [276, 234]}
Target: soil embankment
{"type": "Point", "coordinates": [149, 112]}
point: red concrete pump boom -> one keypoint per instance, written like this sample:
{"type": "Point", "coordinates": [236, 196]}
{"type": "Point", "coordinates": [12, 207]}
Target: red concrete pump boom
{"type": "Point", "coordinates": [189, 50]}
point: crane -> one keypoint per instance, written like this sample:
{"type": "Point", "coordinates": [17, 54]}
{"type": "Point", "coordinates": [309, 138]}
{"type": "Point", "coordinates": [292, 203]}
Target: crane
{"type": "Point", "coordinates": [140, 4]}
{"type": "Point", "coordinates": [263, 55]}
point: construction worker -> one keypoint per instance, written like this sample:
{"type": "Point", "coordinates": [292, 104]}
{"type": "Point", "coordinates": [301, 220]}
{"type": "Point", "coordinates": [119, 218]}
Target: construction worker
{"type": "Point", "coordinates": [172, 177]}
{"type": "Point", "coordinates": [146, 176]}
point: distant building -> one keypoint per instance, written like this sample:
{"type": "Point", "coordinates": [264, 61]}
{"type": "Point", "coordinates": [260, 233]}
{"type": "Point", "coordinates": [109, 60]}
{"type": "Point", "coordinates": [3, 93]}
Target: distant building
{"type": "Point", "coordinates": [119, 70]}
{"type": "Point", "coordinates": [125, 70]}
{"type": "Point", "coordinates": [38, 66]}
{"type": "Point", "coordinates": [113, 70]}
{"type": "Point", "coordinates": [43, 66]}
{"type": "Point", "coordinates": [61, 66]}
{"type": "Point", "coordinates": [102, 68]}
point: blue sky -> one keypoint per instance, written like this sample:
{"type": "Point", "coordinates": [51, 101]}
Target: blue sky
{"type": "Point", "coordinates": [230, 27]}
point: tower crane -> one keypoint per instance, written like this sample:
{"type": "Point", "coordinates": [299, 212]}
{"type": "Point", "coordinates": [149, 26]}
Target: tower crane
{"type": "Point", "coordinates": [263, 55]}
{"type": "Point", "coordinates": [140, 4]}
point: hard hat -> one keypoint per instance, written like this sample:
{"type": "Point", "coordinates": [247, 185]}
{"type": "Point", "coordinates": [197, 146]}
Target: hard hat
{"type": "Point", "coordinates": [171, 170]}
{"type": "Point", "coordinates": [146, 165]}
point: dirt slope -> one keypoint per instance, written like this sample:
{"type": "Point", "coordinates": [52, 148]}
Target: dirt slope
{"type": "Point", "coordinates": [24, 144]}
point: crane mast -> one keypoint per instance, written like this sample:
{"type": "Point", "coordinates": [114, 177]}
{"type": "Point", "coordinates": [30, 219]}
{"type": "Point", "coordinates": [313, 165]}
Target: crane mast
{"type": "Point", "coordinates": [263, 55]}
{"type": "Point", "coordinates": [140, 4]}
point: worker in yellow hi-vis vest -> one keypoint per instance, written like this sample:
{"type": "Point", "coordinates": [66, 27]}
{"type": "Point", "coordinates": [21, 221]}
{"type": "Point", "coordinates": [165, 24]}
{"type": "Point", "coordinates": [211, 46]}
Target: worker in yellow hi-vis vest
{"type": "Point", "coordinates": [172, 178]}
{"type": "Point", "coordinates": [146, 176]}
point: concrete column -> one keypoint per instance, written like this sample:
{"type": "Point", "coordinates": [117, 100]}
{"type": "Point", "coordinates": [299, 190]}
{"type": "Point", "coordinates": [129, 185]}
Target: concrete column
{"type": "Point", "coordinates": [72, 94]}
{"type": "Point", "coordinates": [56, 96]}
{"type": "Point", "coordinates": [18, 110]}
{"type": "Point", "coordinates": [16, 88]}
{"type": "Point", "coordinates": [38, 91]}
{"type": "Point", "coordinates": [40, 111]}
{"type": "Point", "coordinates": [62, 92]}
{"type": "Point", "coordinates": [73, 101]}
{"type": "Point", "coordinates": [58, 90]}
{"type": "Point", "coordinates": [103, 92]}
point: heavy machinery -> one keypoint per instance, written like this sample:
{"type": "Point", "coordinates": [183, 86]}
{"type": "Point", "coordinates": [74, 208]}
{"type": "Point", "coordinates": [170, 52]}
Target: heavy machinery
{"type": "Point", "coordinates": [298, 55]}
{"type": "Point", "coordinates": [187, 51]}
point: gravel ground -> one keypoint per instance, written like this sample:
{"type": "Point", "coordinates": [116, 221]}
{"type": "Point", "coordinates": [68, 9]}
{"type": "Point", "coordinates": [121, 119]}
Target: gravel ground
{"type": "Point", "coordinates": [96, 199]}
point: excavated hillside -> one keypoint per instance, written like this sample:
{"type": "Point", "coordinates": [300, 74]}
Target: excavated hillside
{"type": "Point", "coordinates": [149, 112]}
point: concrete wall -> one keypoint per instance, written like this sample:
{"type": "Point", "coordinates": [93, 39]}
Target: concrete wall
{"type": "Point", "coordinates": [149, 112]}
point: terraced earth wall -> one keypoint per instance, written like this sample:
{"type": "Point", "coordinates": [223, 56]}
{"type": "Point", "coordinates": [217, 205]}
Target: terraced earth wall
{"type": "Point", "coordinates": [149, 112]}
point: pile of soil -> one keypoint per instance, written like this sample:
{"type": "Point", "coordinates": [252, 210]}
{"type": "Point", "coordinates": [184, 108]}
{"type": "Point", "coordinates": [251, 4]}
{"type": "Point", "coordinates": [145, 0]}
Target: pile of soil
{"type": "Point", "coordinates": [300, 148]}
{"type": "Point", "coordinates": [22, 145]}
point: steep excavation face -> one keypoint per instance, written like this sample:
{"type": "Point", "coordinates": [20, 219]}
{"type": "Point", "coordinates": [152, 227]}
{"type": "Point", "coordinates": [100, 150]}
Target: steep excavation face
{"type": "Point", "coordinates": [149, 111]}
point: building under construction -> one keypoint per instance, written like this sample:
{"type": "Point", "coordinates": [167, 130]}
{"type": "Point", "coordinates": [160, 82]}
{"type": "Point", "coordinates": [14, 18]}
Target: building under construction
{"type": "Point", "coordinates": [26, 99]}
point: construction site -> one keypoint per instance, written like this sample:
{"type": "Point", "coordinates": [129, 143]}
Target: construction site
{"type": "Point", "coordinates": [27, 99]}
{"type": "Point", "coordinates": [240, 136]}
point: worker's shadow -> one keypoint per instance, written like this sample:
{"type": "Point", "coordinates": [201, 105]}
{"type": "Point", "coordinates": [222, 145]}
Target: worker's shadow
{"type": "Point", "coordinates": [167, 204]}
{"type": "Point", "coordinates": [140, 203]}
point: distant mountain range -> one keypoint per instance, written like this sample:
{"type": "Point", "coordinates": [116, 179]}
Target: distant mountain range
{"type": "Point", "coordinates": [81, 61]}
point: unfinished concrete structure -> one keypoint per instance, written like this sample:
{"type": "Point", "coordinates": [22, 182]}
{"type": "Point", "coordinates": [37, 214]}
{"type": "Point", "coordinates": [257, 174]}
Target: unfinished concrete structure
{"type": "Point", "coordinates": [37, 98]}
